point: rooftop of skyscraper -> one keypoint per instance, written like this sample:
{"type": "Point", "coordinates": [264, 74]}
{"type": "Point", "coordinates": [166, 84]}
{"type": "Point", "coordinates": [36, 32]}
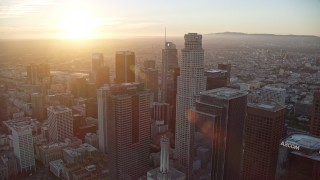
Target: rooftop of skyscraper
{"type": "Point", "coordinates": [224, 93]}
{"type": "Point", "coordinates": [304, 145]}
{"type": "Point", "coordinates": [58, 109]}
{"type": "Point", "coordinates": [21, 123]}
{"type": "Point", "coordinates": [125, 52]}
{"type": "Point", "coordinates": [170, 45]}
{"type": "Point", "coordinates": [267, 105]}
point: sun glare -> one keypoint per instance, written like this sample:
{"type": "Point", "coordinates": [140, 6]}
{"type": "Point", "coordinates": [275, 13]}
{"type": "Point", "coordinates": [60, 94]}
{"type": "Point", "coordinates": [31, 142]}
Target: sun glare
{"type": "Point", "coordinates": [79, 25]}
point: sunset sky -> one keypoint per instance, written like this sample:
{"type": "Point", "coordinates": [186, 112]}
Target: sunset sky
{"type": "Point", "coordinates": [116, 19]}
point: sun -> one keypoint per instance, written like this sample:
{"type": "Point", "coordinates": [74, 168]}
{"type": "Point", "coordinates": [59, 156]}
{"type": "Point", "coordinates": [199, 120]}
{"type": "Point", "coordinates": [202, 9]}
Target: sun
{"type": "Point", "coordinates": [79, 24]}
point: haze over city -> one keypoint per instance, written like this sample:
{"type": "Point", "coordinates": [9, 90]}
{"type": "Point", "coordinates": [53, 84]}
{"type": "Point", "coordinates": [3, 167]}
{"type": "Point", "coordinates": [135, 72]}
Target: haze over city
{"type": "Point", "coordinates": [28, 19]}
{"type": "Point", "coordinates": [159, 90]}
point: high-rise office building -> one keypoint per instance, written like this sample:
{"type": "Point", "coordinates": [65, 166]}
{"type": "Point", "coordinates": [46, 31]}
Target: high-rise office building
{"type": "Point", "coordinates": [149, 77]}
{"type": "Point", "coordinates": [97, 61]}
{"type": "Point", "coordinates": [299, 158]}
{"type": "Point", "coordinates": [128, 130]}
{"type": "Point", "coordinates": [92, 108]}
{"type": "Point", "coordinates": [3, 108]}
{"type": "Point", "coordinates": [125, 67]}
{"type": "Point", "coordinates": [102, 76]}
{"type": "Point", "coordinates": [100, 72]}
{"type": "Point", "coordinates": [165, 172]}
{"type": "Point", "coordinates": [60, 123]}
{"type": "Point", "coordinates": [81, 87]}
{"type": "Point", "coordinates": [226, 67]}
{"type": "Point", "coordinates": [315, 116]}
{"type": "Point", "coordinates": [190, 83]}
{"type": "Point", "coordinates": [219, 115]}
{"type": "Point", "coordinates": [37, 102]}
{"type": "Point", "coordinates": [173, 98]}
{"type": "Point", "coordinates": [264, 130]}
{"type": "Point", "coordinates": [23, 147]}
{"type": "Point", "coordinates": [216, 78]}
{"type": "Point", "coordinates": [36, 72]}
{"type": "Point", "coordinates": [169, 62]}
{"type": "Point", "coordinates": [102, 95]}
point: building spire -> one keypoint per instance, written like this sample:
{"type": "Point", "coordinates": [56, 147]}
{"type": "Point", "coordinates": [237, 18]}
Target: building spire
{"type": "Point", "coordinates": [165, 35]}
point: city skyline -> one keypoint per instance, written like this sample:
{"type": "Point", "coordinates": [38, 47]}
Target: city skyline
{"type": "Point", "coordinates": [97, 19]}
{"type": "Point", "coordinates": [228, 106]}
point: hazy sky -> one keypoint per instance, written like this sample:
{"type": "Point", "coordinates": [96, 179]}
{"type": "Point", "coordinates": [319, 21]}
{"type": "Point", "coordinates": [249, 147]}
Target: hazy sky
{"type": "Point", "coordinates": [116, 18]}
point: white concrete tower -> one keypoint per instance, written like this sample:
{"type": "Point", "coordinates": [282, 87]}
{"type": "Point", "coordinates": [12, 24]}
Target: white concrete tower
{"type": "Point", "coordinates": [164, 158]}
{"type": "Point", "coordinates": [60, 123]}
{"type": "Point", "coordinates": [190, 83]}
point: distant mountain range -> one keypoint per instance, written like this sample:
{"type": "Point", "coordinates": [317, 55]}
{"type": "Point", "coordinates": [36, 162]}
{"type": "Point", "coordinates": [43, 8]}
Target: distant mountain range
{"type": "Point", "coordinates": [247, 34]}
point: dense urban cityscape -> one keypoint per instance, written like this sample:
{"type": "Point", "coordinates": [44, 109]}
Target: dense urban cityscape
{"type": "Point", "coordinates": [159, 90]}
{"type": "Point", "coordinates": [246, 112]}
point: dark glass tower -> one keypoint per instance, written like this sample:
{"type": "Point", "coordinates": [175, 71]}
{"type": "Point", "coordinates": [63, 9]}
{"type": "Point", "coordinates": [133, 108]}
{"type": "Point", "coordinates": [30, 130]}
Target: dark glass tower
{"type": "Point", "coordinates": [315, 120]}
{"type": "Point", "coordinates": [219, 116]}
{"type": "Point", "coordinates": [125, 67]}
{"type": "Point", "coordinates": [264, 129]}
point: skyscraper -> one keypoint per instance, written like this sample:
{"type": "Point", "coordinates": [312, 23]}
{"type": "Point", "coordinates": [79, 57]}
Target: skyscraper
{"type": "Point", "coordinates": [190, 83]}
{"type": "Point", "coordinates": [125, 67]}
{"type": "Point", "coordinates": [102, 95]}
{"type": "Point", "coordinates": [3, 108]}
{"type": "Point", "coordinates": [315, 119]}
{"type": "Point", "coordinates": [264, 129]}
{"type": "Point", "coordinates": [36, 72]}
{"type": "Point", "coordinates": [216, 78]}
{"type": "Point", "coordinates": [23, 147]}
{"type": "Point", "coordinates": [102, 76]}
{"type": "Point", "coordinates": [97, 61]}
{"type": "Point", "coordinates": [149, 77]}
{"type": "Point", "coordinates": [299, 158]}
{"type": "Point", "coordinates": [128, 130]}
{"type": "Point", "coordinates": [169, 62]}
{"type": "Point", "coordinates": [173, 102]}
{"type": "Point", "coordinates": [219, 115]}
{"type": "Point", "coordinates": [37, 102]}
{"type": "Point", "coordinates": [60, 123]}
{"type": "Point", "coordinates": [226, 67]}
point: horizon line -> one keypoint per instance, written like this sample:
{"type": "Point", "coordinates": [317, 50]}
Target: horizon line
{"type": "Point", "coordinates": [154, 36]}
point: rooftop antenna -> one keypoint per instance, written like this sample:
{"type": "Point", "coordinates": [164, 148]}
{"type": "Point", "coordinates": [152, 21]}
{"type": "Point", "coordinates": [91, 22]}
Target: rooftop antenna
{"type": "Point", "coordinates": [165, 35]}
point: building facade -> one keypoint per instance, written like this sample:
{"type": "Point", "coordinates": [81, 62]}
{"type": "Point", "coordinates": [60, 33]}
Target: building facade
{"type": "Point", "coordinates": [102, 95]}
{"type": "Point", "coordinates": [128, 130]}
{"type": "Point", "coordinates": [149, 77]}
{"type": "Point", "coordinates": [216, 78]}
{"type": "Point", "coordinates": [315, 115]}
{"type": "Point", "coordinates": [190, 83]}
{"type": "Point", "coordinates": [169, 62]}
{"type": "Point", "coordinates": [219, 116]}
{"type": "Point", "coordinates": [264, 129]}
{"type": "Point", "coordinates": [125, 67]}
{"type": "Point", "coordinates": [60, 123]}
{"type": "Point", "coordinates": [23, 147]}
{"type": "Point", "coordinates": [37, 102]}
{"type": "Point", "coordinates": [97, 61]}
